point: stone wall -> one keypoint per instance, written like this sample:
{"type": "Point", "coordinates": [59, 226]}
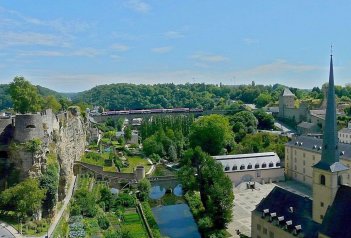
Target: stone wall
{"type": "Point", "coordinates": [70, 147]}
{"type": "Point", "coordinates": [28, 127]}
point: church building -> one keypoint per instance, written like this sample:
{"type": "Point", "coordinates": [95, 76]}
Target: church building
{"type": "Point", "coordinates": [285, 214]}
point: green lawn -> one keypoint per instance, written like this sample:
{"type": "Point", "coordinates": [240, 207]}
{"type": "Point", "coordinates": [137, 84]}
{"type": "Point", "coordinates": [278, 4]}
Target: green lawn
{"type": "Point", "coordinates": [134, 161]}
{"type": "Point", "coordinates": [133, 224]}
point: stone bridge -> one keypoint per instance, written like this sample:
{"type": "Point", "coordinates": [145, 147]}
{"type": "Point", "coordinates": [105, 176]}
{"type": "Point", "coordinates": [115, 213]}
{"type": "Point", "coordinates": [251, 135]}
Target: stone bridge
{"type": "Point", "coordinates": [102, 118]}
{"type": "Point", "coordinates": [167, 182]}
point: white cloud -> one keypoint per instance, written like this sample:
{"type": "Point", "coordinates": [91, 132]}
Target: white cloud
{"type": "Point", "coordinates": [173, 34]}
{"type": "Point", "coordinates": [138, 6]}
{"type": "Point", "coordinates": [120, 47]}
{"type": "Point", "coordinates": [162, 50]}
{"type": "Point", "coordinates": [85, 52]}
{"type": "Point", "coordinates": [279, 66]}
{"type": "Point", "coordinates": [31, 38]}
{"type": "Point", "coordinates": [208, 58]}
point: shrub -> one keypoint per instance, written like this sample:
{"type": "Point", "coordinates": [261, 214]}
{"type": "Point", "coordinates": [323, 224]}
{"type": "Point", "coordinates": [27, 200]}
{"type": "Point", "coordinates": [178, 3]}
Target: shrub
{"type": "Point", "coordinates": [103, 222]}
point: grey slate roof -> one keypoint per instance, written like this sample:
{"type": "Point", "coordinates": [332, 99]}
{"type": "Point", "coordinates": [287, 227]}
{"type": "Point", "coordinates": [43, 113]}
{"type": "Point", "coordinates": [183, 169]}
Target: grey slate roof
{"type": "Point", "coordinates": [287, 92]}
{"type": "Point", "coordinates": [337, 223]}
{"type": "Point", "coordinates": [280, 200]}
{"type": "Point", "coordinates": [345, 130]}
{"type": "Point", "coordinates": [313, 144]}
{"type": "Point", "coordinates": [306, 125]}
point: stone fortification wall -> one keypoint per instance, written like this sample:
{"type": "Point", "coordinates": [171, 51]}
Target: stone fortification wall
{"type": "Point", "coordinates": [66, 141]}
{"type": "Point", "coordinates": [28, 127]}
{"type": "Point", "coordinates": [298, 114]}
{"type": "Point", "coordinates": [50, 121]}
{"type": "Point", "coordinates": [70, 146]}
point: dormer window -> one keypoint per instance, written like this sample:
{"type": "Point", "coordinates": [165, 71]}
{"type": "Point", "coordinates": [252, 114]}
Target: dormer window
{"type": "Point", "coordinates": [264, 165]}
{"type": "Point", "coordinates": [235, 167]}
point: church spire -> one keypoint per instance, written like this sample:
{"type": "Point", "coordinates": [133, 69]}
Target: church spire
{"type": "Point", "coordinates": [330, 152]}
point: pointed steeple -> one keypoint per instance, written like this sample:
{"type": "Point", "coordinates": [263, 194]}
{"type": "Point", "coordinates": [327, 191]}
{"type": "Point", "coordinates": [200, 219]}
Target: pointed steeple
{"type": "Point", "coordinates": [330, 152]}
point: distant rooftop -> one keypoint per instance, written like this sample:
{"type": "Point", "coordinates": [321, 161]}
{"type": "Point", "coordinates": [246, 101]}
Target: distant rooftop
{"type": "Point", "coordinates": [287, 92]}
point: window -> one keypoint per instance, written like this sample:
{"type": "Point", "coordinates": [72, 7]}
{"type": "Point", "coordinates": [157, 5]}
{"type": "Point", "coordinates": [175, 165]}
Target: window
{"type": "Point", "coordinates": [249, 166]}
{"type": "Point", "coordinates": [322, 204]}
{"type": "Point", "coordinates": [235, 167]}
{"type": "Point", "coordinates": [295, 167]}
{"type": "Point", "coordinates": [271, 165]}
{"type": "Point", "coordinates": [304, 155]}
{"type": "Point", "coordinates": [265, 231]}
{"type": "Point", "coordinates": [226, 168]}
{"type": "Point", "coordinates": [304, 170]}
{"type": "Point", "coordinates": [242, 167]}
{"type": "Point", "coordinates": [322, 180]}
{"type": "Point", "coordinates": [313, 157]}
{"type": "Point", "coordinates": [257, 166]}
{"type": "Point", "coordinates": [264, 165]}
{"type": "Point", "coordinates": [258, 227]}
{"type": "Point", "coordinates": [278, 164]}
{"type": "Point", "coordinates": [304, 162]}
{"type": "Point", "coordinates": [295, 152]}
{"type": "Point", "coordinates": [321, 216]}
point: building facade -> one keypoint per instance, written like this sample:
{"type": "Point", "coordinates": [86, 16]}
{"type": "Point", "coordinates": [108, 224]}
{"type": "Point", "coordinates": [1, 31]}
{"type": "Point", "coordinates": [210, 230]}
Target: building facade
{"type": "Point", "coordinates": [255, 167]}
{"type": "Point", "coordinates": [286, 214]}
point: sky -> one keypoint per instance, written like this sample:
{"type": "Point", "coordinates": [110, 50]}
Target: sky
{"type": "Point", "coordinates": [71, 46]}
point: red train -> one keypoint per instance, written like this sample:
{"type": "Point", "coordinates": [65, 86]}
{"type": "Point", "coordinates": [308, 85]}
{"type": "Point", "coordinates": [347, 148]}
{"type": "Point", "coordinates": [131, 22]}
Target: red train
{"type": "Point", "coordinates": [155, 110]}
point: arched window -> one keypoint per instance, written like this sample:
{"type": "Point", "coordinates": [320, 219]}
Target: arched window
{"type": "Point", "coordinates": [270, 165]}
{"type": "Point", "coordinates": [257, 166]}
{"type": "Point", "coordinates": [226, 168]}
{"type": "Point", "coordinates": [242, 167]}
{"type": "Point", "coordinates": [264, 165]}
{"type": "Point", "coordinates": [235, 167]}
{"type": "Point", "coordinates": [277, 164]}
{"type": "Point", "coordinates": [249, 166]}
{"type": "Point", "coordinates": [322, 179]}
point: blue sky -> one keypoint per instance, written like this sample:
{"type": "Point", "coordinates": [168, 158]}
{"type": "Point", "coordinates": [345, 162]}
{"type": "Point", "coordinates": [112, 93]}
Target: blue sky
{"type": "Point", "coordinates": [74, 45]}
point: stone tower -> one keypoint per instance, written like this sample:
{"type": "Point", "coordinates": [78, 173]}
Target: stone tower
{"type": "Point", "coordinates": [286, 100]}
{"type": "Point", "coordinates": [328, 172]}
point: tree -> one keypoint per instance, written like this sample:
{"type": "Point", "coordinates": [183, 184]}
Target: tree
{"type": "Point", "coordinates": [265, 120]}
{"type": "Point", "coordinates": [212, 133]}
{"type": "Point", "coordinates": [219, 189]}
{"type": "Point", "coordinates": [50, 102]}
{"type": "Point", "coordinates": [25, 198]}
{"type": "Point", "coordinates": [144, 187]}
{"type": "Point", "coordinates": [201, 172]}
{"type": "Point", "coordinates": [263, 99]}
{"type": "Point", "coordinates": [86, 202]}
{"type": "Point", "coordinates": [25, 96]}
{"type": "Point", "coordinates": [106, 198]}
{"type": "Point", "coordinates": [247, 118]}
{"type": "Point", "coordinates": [50, 182]}
{"type": "Point", "coordinates": [127, 133]}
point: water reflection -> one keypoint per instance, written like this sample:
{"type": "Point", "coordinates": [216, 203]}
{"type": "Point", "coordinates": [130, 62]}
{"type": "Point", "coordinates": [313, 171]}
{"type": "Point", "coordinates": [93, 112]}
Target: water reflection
{"type": "Point", "coordinates": [157, 192]}
{"type": "Point", "coordinates": [178, 191]}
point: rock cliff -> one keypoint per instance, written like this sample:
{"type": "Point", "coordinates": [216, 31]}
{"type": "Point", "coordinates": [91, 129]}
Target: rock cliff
{"type": "Point", "coordinates": [62, 145]}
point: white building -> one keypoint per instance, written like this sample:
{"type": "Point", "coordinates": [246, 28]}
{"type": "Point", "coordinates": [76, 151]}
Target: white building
{"type": "Point", "coordinates": [258, 167]}
{"type": "Point", "coordinates": [344, 134]}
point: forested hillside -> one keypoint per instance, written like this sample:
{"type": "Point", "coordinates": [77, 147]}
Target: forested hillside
{"type": "Point", "coordinates": [130, 96]}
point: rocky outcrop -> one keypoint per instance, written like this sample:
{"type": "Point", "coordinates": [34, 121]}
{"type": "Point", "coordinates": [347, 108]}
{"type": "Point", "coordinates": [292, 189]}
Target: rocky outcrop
{"type": "Point", "coordinates": [65, 143]}
{"type": "Point", "coordinates": [70, 147]}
